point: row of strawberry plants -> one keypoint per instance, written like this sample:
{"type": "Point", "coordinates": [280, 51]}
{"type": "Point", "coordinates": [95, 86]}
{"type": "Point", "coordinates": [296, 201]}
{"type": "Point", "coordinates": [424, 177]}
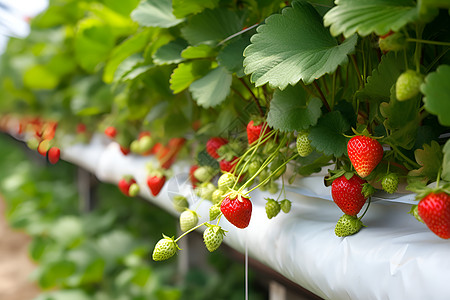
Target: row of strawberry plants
{"type": "Point", "coordinates": [244, 88]}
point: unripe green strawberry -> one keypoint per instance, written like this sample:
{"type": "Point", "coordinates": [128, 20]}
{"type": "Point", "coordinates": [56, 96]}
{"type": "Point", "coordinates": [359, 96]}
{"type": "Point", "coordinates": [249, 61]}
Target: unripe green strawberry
{"type": "Point", "coordinates": [214, 212]}
{"type": "Point", "coordinates": [204, 173]}
{"type": "Point", "coordinates": [304, 147]}
{"type": "Point", "coordinates": [135, 147]}
{"type": "Point", "coordinates": [347, 225]}
{"type": "Point", "coordinates": [205, 190]}
{"type": "Point", "coordinates": [213, 237]}
{"type": "Point", "coordinates": [165, 248]}
{"type": "Point", "coordinates": [392, 42]}
{"type": "Point", "coordinates": [145, 143]}
{"type": "Point", "coordinates": [188, 219]}
{"type": "Point", "coordinates": [285, 205]}
{"type": "Point", "coordinates": [408, 85]}
{"type": "Point", "coordinates": [272, 208]}
{"type": "Point", "coordinates": [273, 187]}
{"type": "Point", "coordinates": [134, 189]}
{"type": "Point", "coordinates": [390, 183]}
{"type": "Point", "coordinates": [226, 181]}
{"type": "Point", "coordinates": [253, 167]}
{"type": "Point", "coordinates": [277, 167]}
{"type": "Point", "coordinates": [180, 203]}
{"type": "Point", "coordinates": [217, 196]}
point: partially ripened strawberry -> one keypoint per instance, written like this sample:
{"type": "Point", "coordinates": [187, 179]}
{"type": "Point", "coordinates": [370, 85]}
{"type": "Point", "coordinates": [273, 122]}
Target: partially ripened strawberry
{"type": "Point", "coordinates": [125, 150]}
{"type": "Point", "coordinates": [434, 210]}
{"type": "Point", "coordinates": [272, 208]}
{"type": "Point", "coordinates": [194, 181]}
{"type": "Point", "coordinates": [124, 184]}
{"type": "Point", "coordinates": [254, 130]}
{"type": "Point", "coordinates": [408, 85]}
{"type": "Point", "coordinates": [111, 131]}
{"type": "Point", "coordinates": [156, 183]}
{"type": "Point", "coordinates": [228, 166]}
{"type": "Point", "coordinates": [392, 42]}
{"type": "Point", "coordinates": [304, 147]}
{"type": "Point", "coordinates": [213, 144]}
{"type": "Point", "coordinates": [348, 225]}
{"type": "Point", "coordinates": [188, 219]}
{"type": "Point", "coordinates": [365, 153]}
{"type": "Point", "coordinates": [390, 183]}
{"type": "Point", "coordinates": [165, 248]}
{"type": "Point", "coordinates": [53, 155]}
{"type": "Point", "coordinates": [43, 147]}
{"type": "Point", "coordinates": [213, 237]}
{"type": "Point", "coordinates": [237, 209]}
{"type": "Point", "coordinates": [347, 194]}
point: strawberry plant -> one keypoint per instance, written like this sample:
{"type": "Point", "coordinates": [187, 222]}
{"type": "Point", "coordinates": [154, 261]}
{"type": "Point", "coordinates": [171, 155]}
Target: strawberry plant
{"type": "Point", "coordinates": [242, 89]}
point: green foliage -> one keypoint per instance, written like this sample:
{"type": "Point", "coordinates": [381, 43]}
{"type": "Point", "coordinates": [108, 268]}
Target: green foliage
{"type": "Point", "coordinates": [155, 13]}
{"type": "Point", "coordinates": [212, 89]}
{"type": "Point", "coordinates": [437, 93]}
{"type": "Point", "coordinates": [430, 160]}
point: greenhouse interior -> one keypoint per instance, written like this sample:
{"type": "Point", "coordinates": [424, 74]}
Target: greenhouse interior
{"type": "Point", "coordinates": [224, 149]}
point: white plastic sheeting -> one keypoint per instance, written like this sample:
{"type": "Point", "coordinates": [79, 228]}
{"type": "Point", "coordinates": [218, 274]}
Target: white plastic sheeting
{"type": "Point", "coordinates": [395, 257]}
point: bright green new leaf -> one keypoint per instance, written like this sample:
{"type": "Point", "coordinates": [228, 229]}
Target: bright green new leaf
{"type": "Point", "coordinates": [212, 89]}
{"type": "Point", "coordinates": [182, 8]}
{"type": "Point", "coordinates": [155, 13]}
{"type": "Point", "coordinates": [446, 162]}
{"type": "Point", "coordinates": [211, 26]}
{"type": "Point", "coordinates": [200, 51]}
{"type": "Point", "coordinates": [291, 110]}
{"type": "Point", "coordinates": [120, 25]}
{"type": "Point", "coordinates": [128, 47]}
{"type": "Point", "coordinates": [188, 72]}
{"type": "Point", "coordinates": [328, 135]}
{"type": "Point", "coordinates": [294, 46]}
{"type": "Point", "coordinates": [39, 77]}
{"type": "Point", "coordinates": [436, 89]}
{"type": "Point", "coordinates": [430, 159]}
{"type": "Point", "coordinates": [170, 53]}
{"type": "Point", "coordinates": [93, 43]}
{"type": "Point", "coordinates": [232, 55]}
{"type": "Point", "coordinates": [368, 16]}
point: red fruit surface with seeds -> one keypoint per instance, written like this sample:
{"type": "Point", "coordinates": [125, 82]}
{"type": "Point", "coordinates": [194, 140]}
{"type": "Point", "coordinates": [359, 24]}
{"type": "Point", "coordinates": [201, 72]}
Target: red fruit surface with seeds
{"type": "Point", "coordinates": [228, 166]}
{"type": "Point", "coordinates": [213, 144]}
{"type": "Point", "coordinates": [365, 153]}
{"type": "Point", "coordinates": [347, 194]}
{"type": "Point", "coordinates": [155, 183]}
{"type": "Point", "coordinates": [254, 131]}
{"type": "Point", "coordinates": [237, 211]}
{"type": "Point", "coordinates": [53, 155]}
{"type": "Point", "coordinates": [434, 209]}
{"type": "Point", "coordinates": [124, 185]}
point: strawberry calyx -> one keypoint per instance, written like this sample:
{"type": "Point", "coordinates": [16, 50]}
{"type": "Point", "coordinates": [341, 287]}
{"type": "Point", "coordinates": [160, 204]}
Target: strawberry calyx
{"type": "Point", "coordinates": [236, 195]}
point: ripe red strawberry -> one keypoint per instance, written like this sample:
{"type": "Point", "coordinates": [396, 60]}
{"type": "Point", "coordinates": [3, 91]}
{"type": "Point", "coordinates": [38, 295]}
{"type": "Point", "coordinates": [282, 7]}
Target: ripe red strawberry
{"type": "Point", "coordinates": [48, 133]}
{"type": "Point", "coordinates": [81, 128]}
{"type": "Point", "coordinates": [254, 131]}
{"type": "Point", "coordinates": [237, 209]}
{"type": "Point", "coordinates": [192, 178]}
{"type": "Point", "coordinates": [111, 131]}
{"type": "Point", "coordinates": [213, 144]}
{"type": "Point", "coordinates": [228, 166]}
{"type": "Point", "coordinates": [124, 150]}
{"type": "Point", "coordinates": [125, 183]}
{"type": "Point", "coordinates": [53, 155]}
{"type": "Point", "coordinates": [155, 183]}
{"type": "Point", "coordinates": [365, 153]}
{"type": "Point", "coordinates": [347, 194]}
{"type": "Point", "coordinates": [434, 209]}
{"type": "Point", "coordinates": [167, 154]}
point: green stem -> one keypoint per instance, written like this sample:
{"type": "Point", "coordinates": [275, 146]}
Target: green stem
{"type": "Point", "coordinates": [418, 51]}
{"type": "Point", "coordinates": [438, 176]}
{"type": "Point", "coordinates": [411, 162]}
{"type": "Point", "coordinates": [355, 65]}
{"type": "Point", "coordinates": [333, 87]}
{"type": "Point", "coordinates": [428, 42]}
{"type": "Point", "coordinates": [190, 230]}
{"type": "Point", "coordinates": [367, 207]}
{"type": "Point", "coordinates": [322, 96]}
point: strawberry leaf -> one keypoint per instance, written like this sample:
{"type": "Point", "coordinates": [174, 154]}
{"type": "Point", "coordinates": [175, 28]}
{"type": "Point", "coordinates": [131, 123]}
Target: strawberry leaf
{"type": "Point", "coordinates": [231, 56]}
{"type": "Point", "coordinates": [211, 26]}
{"type": "Point", "coordinates": [170, 53]}
{"type": "Point", "coordinates": [437, 93]}
{"type": "Point", "coordinates": [200, 51]}
{"type": "Point", "coordinates": [212, 89]}
{"type": "Point", "coordinates": [186, 73]}
{"type": "Point", "coordinates": [155, 13]}
{"type": "Point", "coordinates": [430, 158]}
{"type": "Point", "coordinates": [327, 136]}
{"type": "Point", "coordinates": [294, 46]}
{"type": "Point", "coordinates": [182, 8]}
{"type": "Point", "coordinates": [367, 16]}
{"type": "Point", "coordinates": [291, 110]}
{"type": "Point", "coordinates": [446, 162]}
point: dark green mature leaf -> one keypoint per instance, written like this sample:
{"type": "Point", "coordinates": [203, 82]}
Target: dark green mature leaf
{"type": "Point", "coordinates": [211, 26]}
{"type": "Point", "coordinates": [170, 53]}
{"type": "Point", "coordinates": [430, 158]}
{"type": "Point", "coordinates": [212, 89]}
{"type": "Point", "coordinates": [232, 55]}
{"type": "Point", "coordinates": [446, 161]}
{"type": "Point", "coordinates": [291, 110]}
{"type": "Point", "coordinates": [294, 46]}
{"type": "Point", "coordinates": [128, 47]}
{"type": "Point", "coordinates": [367, 16]}
{"type": "Point", "coordinates": [436, 89]}
{"type": "Point", "coordinates": [155, 13]}
{"type": "Point", "coordinates": [182, 8]}
{"type": "Point", "coordinates": [186, 73]}
{"type": "Point", "coordinates": [399, 113]}
{"type": "Point", "coordinates": [327, 136]}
